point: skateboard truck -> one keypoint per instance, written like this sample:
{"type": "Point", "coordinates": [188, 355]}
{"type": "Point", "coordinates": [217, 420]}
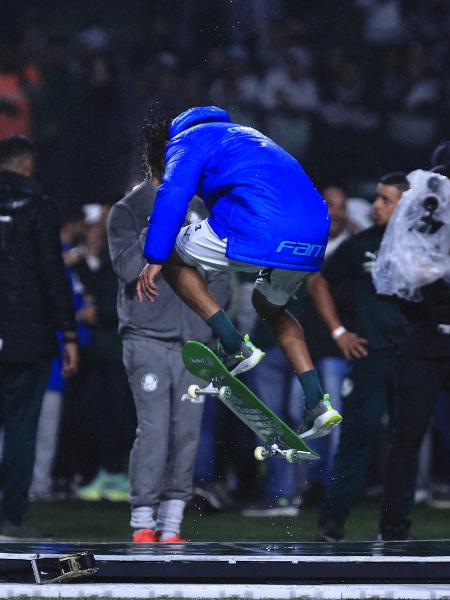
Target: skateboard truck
{"type": "Point", "coordinates": [224, 392]}
{"type": "Point", "coordinates": [63, 568]}
{"type": "Point", "coordinates": [291, 455]}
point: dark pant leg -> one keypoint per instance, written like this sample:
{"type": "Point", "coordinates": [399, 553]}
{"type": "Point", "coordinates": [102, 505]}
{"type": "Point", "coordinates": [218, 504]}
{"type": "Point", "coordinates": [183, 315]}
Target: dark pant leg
{"type": "Point", "coordinates": [112, 414]}
{"type": "Point", "coordinates": [417, 385]}
{"type": "Point", "coordinates": [22, 389]}
{"type": "Point", "coordinates": [372, 381]}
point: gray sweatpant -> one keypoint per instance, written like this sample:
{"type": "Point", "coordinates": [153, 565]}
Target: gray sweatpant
{"type": "Point", "coordinates": [163, 455]}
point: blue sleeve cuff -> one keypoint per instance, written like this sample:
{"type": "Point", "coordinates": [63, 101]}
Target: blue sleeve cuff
{"type": "Point", "coordinates": [159, 243]}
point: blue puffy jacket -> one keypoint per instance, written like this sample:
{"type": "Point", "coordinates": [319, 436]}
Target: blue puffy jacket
{"type": "Point", "coordinates": [260, 198]}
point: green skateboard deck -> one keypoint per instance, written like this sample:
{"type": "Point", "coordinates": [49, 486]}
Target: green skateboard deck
{"type": "Point", "coordinates": [277, 436]}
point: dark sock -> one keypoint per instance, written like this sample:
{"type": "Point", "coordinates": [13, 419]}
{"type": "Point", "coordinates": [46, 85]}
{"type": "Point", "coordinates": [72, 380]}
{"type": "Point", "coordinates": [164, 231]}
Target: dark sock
{"type": "Point", "coordinates": [230, 337]}
{"type": "Point", "coordinates": [311, 388]}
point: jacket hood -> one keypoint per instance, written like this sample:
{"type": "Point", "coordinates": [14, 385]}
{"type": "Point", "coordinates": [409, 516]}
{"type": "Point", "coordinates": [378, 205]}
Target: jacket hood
{"type": "Point", "coordinates": [195, 116]}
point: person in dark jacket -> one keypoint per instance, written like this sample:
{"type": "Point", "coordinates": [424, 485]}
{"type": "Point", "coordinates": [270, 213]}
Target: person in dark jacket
{"type": "Point", "coordinates": [265, 214]}
{"type": "Point", "coordinates": [36, 303]}
{"type": "Point", "coordinates": [368, 389]}
{"type": "Point", "coordinates": [423, 372]}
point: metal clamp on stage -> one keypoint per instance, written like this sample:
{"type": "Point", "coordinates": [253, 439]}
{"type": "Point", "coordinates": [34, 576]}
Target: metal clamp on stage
{"type": "Point", "coordinates": [64, 568]}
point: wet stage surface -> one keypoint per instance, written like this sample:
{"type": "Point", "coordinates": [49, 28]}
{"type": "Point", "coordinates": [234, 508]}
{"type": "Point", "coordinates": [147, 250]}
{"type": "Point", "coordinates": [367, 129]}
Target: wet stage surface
{"type": "Point", "coordinates": [409, 561]}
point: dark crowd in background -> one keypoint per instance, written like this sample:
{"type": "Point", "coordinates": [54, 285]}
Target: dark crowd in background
{"type": "Point", "coordinates": [354, 89]}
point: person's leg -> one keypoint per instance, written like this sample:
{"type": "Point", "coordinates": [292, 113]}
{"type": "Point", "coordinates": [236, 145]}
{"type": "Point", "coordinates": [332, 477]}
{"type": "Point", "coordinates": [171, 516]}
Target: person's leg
{"type": "Point", "coordinates": [46, 443]}
{"type": "Point", "coordinates": [188, 283]}
{"type": "Point", "coordinates": [146, 365]}
{"type": "Point", "coordinates": [418, 383]}
{"type": "Point", "coordinates": [331, 371]}
{"type": "Point", "coordinates": [287, 331]}
{"type": "Point", "coordinates": [319, 416]}
{"type": "Point", "coordinates": [240, 354]}
{"type": "Point", "coordinates": [369, 380]}
{"type": "Point", "coordinates": [184, 434]}
{"type": "Point", "coordinates": [23, 387]}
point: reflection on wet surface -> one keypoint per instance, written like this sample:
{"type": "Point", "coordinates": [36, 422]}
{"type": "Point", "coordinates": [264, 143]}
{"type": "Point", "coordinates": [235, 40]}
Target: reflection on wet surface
{"type": "Point", "coordinates": [419, 548]}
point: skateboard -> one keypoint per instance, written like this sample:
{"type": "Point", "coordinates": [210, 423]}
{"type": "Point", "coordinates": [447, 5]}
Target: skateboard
{"type": "Point", "coordinates": [278, 438]}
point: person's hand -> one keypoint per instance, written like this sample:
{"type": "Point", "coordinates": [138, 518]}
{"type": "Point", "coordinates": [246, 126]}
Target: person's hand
{"type": "Point", "coordinates": [351, 345]}
{"type": "Point", "coordinates": [70, 359]}
{"type": "Point", "coordinates": [146, 283]}
{"type": "Point", "coordinates": [88, 314]}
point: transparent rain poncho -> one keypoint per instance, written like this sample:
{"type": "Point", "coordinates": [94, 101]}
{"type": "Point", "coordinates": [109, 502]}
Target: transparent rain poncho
{"type": "Point", "coordinates": [415, 250]}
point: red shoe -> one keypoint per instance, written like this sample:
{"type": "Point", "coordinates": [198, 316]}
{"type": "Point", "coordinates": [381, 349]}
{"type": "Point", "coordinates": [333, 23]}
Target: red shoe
{"type": "Point", "coordinates": [174, 539]}
{"type": "Point", "coordinates": [145, 536]}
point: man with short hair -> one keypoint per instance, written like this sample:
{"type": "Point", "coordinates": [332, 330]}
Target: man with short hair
{"type": "Point", "coordinates": [168, 421]}
{"type": "Point", "coordinates": [265, 213]}
{"type": "Point", "coordinates": [368, 387]}
{"type": "Point", "coordinates": [423, 357]}
{"type": "Point", "coordinates": [36, 302]}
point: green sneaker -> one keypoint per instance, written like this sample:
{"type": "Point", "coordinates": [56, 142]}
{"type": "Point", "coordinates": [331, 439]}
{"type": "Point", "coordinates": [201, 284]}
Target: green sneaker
{"type": "Point", "coordinates": [245, 359]}
{"type": "Point", "coordinates": [320, 420]}
{"type": "Point", "coordinates": [92, 492]}
{"type": "Point", "coordinates": [116, 488]}
{"type": "Point", "coordinates": [105, 486]}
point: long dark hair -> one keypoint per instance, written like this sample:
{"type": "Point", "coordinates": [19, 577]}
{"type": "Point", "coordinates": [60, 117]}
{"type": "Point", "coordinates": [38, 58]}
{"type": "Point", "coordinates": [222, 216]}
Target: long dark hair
{"type": "Point", "coordinates": [155, 134]}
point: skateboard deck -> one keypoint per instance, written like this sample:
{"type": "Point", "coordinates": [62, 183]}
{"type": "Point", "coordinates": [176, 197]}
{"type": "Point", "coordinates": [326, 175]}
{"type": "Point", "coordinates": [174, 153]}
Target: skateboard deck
{"type": "Point", "coordinates": [277, 436]}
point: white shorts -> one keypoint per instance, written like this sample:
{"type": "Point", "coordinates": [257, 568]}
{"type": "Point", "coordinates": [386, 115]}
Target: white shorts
{"type": "Point", "coordinates": [198, 246]}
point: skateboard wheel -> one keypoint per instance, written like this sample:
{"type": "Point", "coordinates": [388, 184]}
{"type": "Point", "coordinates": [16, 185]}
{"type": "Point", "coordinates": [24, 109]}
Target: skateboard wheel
{"type": "Point", "coordinates": [225, 393]}
{"type": "Point", "coordinates": [193, 390]}
{"type": "Point", "coordinates": [260, 453]}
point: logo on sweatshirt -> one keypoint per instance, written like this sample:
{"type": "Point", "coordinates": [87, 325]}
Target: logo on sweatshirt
{"type": "Point", "coordinates": [302, 248]}
{"type": "Point", "coordinates": [149, 382]}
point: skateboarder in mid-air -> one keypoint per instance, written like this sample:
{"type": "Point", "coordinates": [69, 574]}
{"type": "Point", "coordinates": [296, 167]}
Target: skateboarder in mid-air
{"type": "Point", "coordinates": [265, 214]}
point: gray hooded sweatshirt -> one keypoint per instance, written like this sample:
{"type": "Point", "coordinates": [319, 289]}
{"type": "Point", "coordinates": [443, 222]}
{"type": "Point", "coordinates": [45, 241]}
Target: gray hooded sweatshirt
{"type": "Point", "coordinates": [168, 318]}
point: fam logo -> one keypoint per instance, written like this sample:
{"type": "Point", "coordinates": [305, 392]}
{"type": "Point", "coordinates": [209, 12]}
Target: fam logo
{"type": "Point", "coordinates": [302, 248]}
{"type": "Point", "coordinates": [149, 382]}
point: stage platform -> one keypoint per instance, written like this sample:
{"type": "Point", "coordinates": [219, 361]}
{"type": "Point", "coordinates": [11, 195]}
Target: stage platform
{"type": "Point", "coordinates": [411, 562]}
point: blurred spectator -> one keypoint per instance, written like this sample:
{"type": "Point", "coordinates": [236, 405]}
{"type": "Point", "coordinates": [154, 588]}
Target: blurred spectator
{"type": "Point", "coordinates": [18, 82]}
{"type": "Point", "coordinates": [101, 146]}
{"type": "Point", "coordinates": [34, 306]}
{"type": "Point", "coordinates": [346, 121]}
{"type": "Point", "coordinates": [237, 89]}
{"type": "Point", "coordinates": [42, 485]}
{"type": "Point", "coordinates": [413, 119]}
{"type": "Point", "coordinates": [328, 360]}
{"type": "Point", "coordinates": [106, 395]}
{"type": "Point", "coordinates": [56, 107]}
{"type": "Point", "coordinates": [153, 335]}
{"type": "Point", "coordinates": [290, 96]}
{"type": "Point", "coordinates": [383, 22]}
{"type": "Point", "coordinates": [368, 388]}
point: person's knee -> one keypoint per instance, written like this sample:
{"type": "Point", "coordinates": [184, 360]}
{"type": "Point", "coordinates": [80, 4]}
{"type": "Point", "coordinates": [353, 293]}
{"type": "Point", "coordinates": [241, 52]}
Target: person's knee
{"type": "Point", "coordinates": [265, 309]}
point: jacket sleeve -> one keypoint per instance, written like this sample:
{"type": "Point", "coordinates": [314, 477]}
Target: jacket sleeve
{"type": "Point", "coordinates": [125, 243]}
{"type": "Point", "coordinates": [184, 166]}
{"type": "Point", "coordinates": [56, 283]}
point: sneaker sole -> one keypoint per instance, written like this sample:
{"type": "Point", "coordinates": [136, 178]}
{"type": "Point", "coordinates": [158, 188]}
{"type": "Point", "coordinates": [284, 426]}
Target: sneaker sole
{"type": "Point", "coordinates": [249, 363]}
{"type": "Point", "coordinates": [88, 498]}
{"type": "Point", "coordinates": [323, 425]}
{"type": "Point", "coordinates": [290, 511]}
